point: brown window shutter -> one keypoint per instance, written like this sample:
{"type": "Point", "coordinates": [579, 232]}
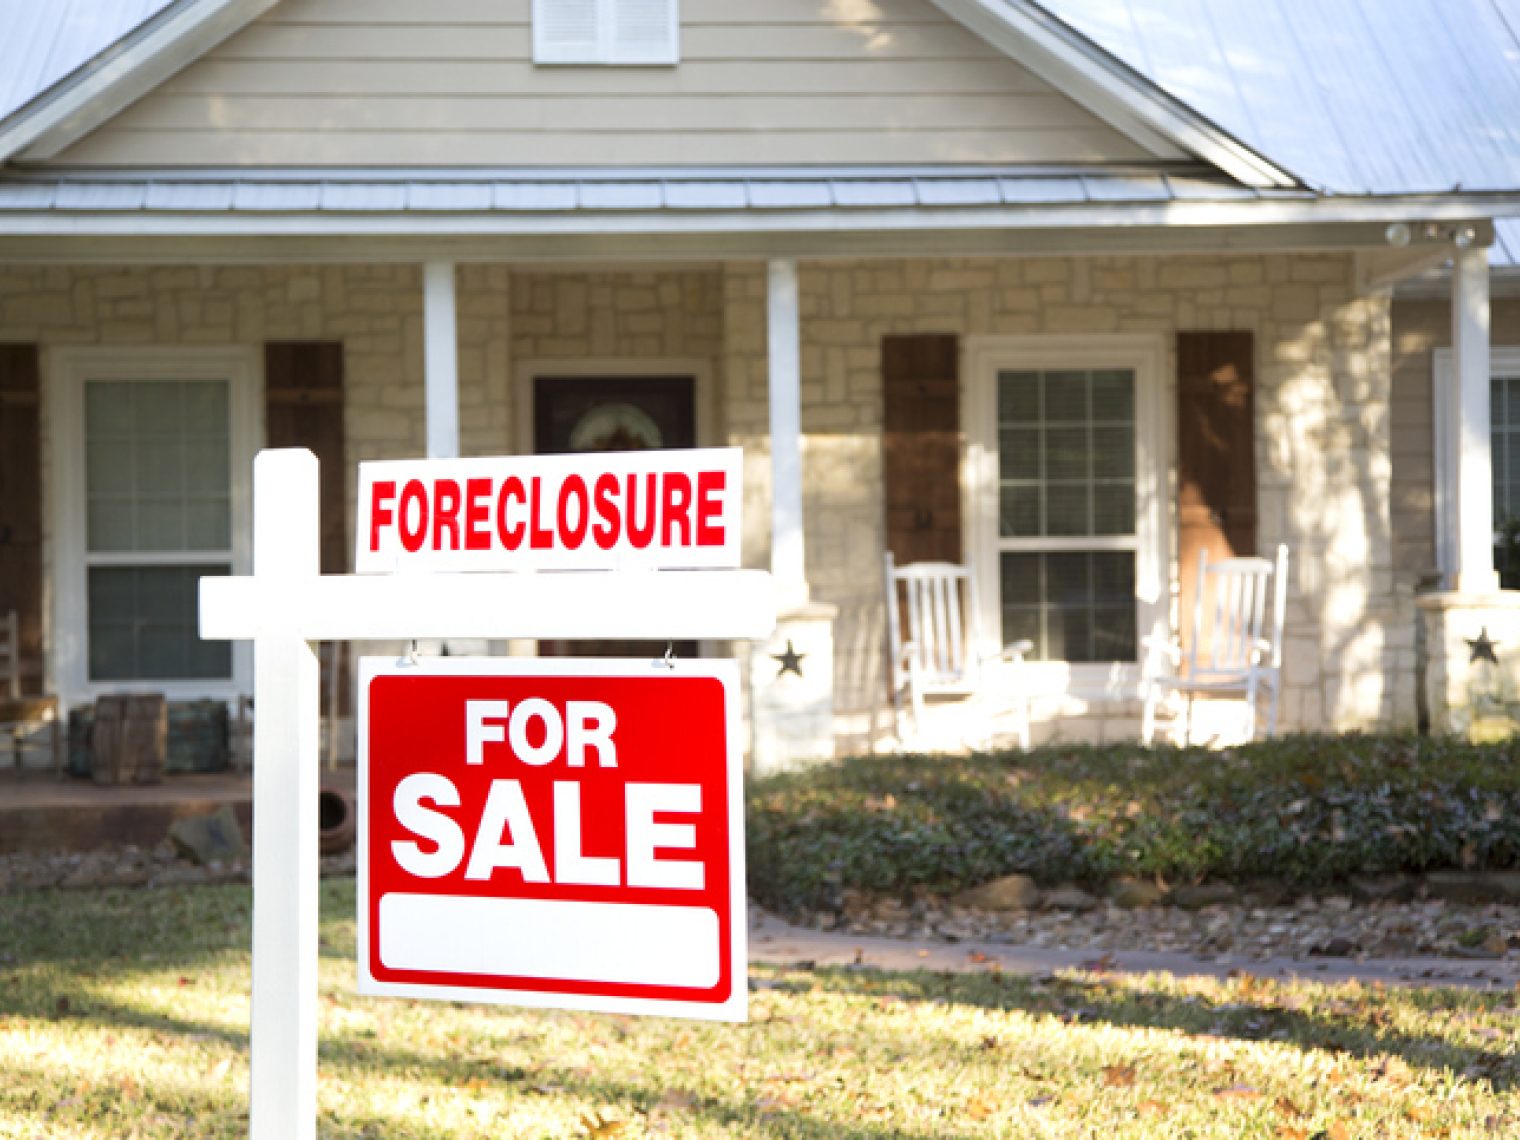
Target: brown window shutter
{"type": "Point", "coordinates": [1216, 452]}
{"type": "Point", "coordinates": [303, 407]}
{"type": "Point", "coordinates": [21, 505]}
{"type": "Point", "coordinates": [921, 445]}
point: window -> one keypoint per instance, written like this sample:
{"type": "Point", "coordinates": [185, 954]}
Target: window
{"type": "Point", "coordinates": [1504, 395]}
{"type": "Point", "coordinates": [1065, 486]}
{"type": "Point", "coordinates": [606, 31]}
{"type": "Point", "coordinates": [1504, 440]}
{"type": "Point", "coordinates": [152, 447]}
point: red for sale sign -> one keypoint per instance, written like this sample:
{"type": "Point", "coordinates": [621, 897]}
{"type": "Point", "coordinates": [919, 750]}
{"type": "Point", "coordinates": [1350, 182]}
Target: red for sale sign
{"type": "Point", "coordinates": [549, 832]}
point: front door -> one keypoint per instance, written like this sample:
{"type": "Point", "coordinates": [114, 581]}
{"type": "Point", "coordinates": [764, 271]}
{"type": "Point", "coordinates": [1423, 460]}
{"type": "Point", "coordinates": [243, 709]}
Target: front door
{"type": "Point", "coordinates": [613, 413]}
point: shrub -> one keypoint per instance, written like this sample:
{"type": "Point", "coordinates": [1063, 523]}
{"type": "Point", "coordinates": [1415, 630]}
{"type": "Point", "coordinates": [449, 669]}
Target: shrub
{"type": "Point", "coordinates": [1308, 810]}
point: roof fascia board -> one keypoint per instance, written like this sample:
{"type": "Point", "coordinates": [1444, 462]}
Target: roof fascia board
{"type": "Point", "coordinates": [1286, 223]}
{"type": "Point", "coordinates": [296, 246]}
{"type": "Point", "coordinates": [1126, 100]}
{"type": "Point", "coordinates": [105, 86]}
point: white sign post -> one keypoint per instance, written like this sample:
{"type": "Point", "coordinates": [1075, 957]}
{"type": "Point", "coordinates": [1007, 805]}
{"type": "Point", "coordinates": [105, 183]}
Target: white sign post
{"type": "Point", "coordinates": [286, 606]}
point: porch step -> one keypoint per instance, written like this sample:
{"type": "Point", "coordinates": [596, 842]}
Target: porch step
{"type": "Point", "coordinates": [40, 813]}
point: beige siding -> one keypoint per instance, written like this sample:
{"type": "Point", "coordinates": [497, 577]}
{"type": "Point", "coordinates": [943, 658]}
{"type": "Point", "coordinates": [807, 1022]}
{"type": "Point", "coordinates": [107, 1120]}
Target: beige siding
{"type": "Point", "coordinates": [1419, 328]}
{"type": "Point", "coordinates": [452, 83]}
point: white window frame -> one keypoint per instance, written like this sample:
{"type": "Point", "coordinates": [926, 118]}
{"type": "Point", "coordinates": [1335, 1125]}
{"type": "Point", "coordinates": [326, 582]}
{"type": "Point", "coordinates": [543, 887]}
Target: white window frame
{"type": "Point", "coordinates": [68, 369]}
{"type": "Point", "coordinates": [1502, 361]}
{"type": "Point", "coordinates": [607, 52]}
{"type": "Point", "coordinates": [1145, 356]}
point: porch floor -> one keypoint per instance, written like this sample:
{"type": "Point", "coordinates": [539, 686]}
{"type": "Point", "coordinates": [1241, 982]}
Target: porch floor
{"type": "Point", "coordinates": [39, 812]}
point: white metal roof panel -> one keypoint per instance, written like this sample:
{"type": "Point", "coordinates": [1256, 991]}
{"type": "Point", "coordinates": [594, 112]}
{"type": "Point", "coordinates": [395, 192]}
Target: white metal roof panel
{"type": "Point", "coordinates": [101, 196]}
{"type": "Point", "coordinates": [959, 192]}
{"type": "Point", "coordinates": [886, 192]}
{"type": "Point", "coordinates": [212, 196]}
{"type": "Point", "coordinates": [385, 196]}
{"type": "Point", "coordinates": [448, 196]}
{"type": "Point", "coordinates": [272, 196]}
{"type": "Point", "coordinates": [705, 195]}
{"type": "Point", "coordinates": [798, 195]}
{"type": "Point", "coordinates": [535, 196]}
{"type": "Point", "coordinates": [1355, 96]}
{"type": "Point", "coordinates": [42, 41]}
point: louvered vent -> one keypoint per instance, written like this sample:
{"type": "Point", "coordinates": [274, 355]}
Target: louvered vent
{"type": "Point", "coordinates": [605, 31]}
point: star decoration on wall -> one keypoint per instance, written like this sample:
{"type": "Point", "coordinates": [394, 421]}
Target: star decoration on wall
{"type": "Point", "coordinates": [1482, 647]}
{"type": "Point", "coordinates": [791, 660]}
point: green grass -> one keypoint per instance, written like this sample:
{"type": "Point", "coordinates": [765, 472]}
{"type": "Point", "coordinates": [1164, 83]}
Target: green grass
{"type": "Point", "coordinates": [124, 1013]}
{"type": "Point", "coordinates": [1309, 811]}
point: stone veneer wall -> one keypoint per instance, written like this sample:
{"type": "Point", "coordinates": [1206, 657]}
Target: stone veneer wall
{"type": "Point", "coordinates": [1322, 401]}
{"type": "Point", "coordinates": [1322, 442]}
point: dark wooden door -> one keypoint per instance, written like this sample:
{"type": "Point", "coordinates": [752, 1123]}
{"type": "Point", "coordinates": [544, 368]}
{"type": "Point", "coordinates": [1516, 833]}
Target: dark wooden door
{"type": "Point", "coordinates": [21, 507]}
{"type": "Point", "coordinates": [1216, 454]}
{"type": "Point", "coordinates": [613, 413]}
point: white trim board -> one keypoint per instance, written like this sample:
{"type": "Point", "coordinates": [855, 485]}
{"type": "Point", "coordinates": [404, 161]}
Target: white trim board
{"type": "Point", "coordinates": [65, 370]}
{"type": "Point", "coordinates": [1146, 355]}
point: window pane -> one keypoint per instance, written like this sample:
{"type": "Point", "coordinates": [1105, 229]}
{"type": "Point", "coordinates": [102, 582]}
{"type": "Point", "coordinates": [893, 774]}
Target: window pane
{"type": "Point", "coordinates": [1019, 453]}
{"type": "Point", "coordinates": [1113, 396]}
{"type": "Point", "coordinates": [1066, 509]}
{"type": "Point", "coordinates": [1065, 397]}
{"type": "Point", "coordinates": [157, 465]}
{"type": "Point", "coordinates": [1114, 508]}
{"type": "Point", "coordinates": [1066, 453]}
{"type": "Point", "coordinates": [1075, 606]}
{"type": "Point", "coordinates": [1018, 397]}
{"type": "Point", "coordinates": [1113, 450]}
{"type": "Point", "coordinates": [1019, 511]}
{"type": "Point", "coordinates": [142, 625]}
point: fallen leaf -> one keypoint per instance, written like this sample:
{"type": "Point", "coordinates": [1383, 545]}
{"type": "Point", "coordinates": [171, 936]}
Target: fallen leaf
{"type": "Point", "coordinates": [129, 1089]}
{"type": "Point", "coordinates": [1238, 1092]}
{"type": "Point", "coordinates": [599, 1126]}
{"type": "Point", "coordinates": [1292, 1132]}
{"type": "Point", "coordinates": [989, 1043]}
{"type": "Point", "coordinates": [1119, 1076]}
{"type": "Point", "coordinates": [979, 1107]}
{"type": "Point", "coordinates": [1288, 1108]}
{"type": "Point", "coordinates": [1152, 1108]}
{"type": "Point", "coordinates": [1337, 1131]}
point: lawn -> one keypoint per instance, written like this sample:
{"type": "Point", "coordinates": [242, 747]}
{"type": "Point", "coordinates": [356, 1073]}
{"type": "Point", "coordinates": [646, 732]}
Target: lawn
{"type": "Point", "coordinates": [124, 1013]}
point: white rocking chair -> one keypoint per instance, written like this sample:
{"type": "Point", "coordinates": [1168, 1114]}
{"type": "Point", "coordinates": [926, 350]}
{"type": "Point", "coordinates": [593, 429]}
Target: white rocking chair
{"type": "Point", "coordinates": [939, 656]}
{"type": "Point", "coordinates": [1228, 653]}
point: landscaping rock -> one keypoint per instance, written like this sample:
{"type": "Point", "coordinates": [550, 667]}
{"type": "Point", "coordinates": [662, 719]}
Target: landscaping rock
{"type": "Point", "coordinates": [1131, 893]}
{"type": "Point", "coordinates": [1267, 892]}
{"type": "Point", "coordinates": [1011, 892]}
{"type": "Point", "coordinates": [1507, 883]}
{"type": "Point", "coordinates": [207, 839]}
{"type": "Point", "coordinates": [1463, 886]}
{"type": "Point", "coordinates": [1204, 894]}
{"type": "Point", "coordinates": [1337, 946]}
{"type": "Point", "coordinates": [1382, 888]}
{"type": "Point", "coordinates": [1067, 897]}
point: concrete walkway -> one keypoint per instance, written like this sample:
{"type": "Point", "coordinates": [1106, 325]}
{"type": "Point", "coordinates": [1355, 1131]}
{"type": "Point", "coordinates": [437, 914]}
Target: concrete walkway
{"type": "Point", "coordinates": [774, 942]}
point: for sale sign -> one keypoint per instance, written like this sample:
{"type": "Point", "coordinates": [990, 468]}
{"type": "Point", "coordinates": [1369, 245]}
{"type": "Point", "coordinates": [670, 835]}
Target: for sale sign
{"type": "Point", "coordinates": [553, 833]}
{"type": "Point", "coordinates": [649, 510]}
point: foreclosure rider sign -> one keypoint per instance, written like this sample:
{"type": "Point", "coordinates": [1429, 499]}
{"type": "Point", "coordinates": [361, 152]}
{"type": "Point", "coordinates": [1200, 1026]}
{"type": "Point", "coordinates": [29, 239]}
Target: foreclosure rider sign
{"type": "Point", "coordinates": [597, 510]}
{"type": "Point", "coordinates": [554, 833]}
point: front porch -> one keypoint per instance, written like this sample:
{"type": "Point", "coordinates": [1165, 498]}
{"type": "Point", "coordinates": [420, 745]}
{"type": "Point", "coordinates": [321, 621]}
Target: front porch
{"type": "Point", "coordinates": [784, 358]}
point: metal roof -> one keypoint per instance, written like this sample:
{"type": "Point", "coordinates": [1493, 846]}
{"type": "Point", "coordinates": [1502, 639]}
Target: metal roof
{"type": "Point", "coordinates": [1352, 96]}
{"type": "Point", "coordinates": [267, 191]}
{"type": "Point", "coordinates": [42, 41]}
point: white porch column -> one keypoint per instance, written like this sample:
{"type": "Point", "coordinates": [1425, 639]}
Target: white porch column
{"type": "Point", "coordinates": [440, 339]}
{"type": "Point", "coordinates": [1472, 516]}
{"type": "Point", "coordinates": [785, 369]}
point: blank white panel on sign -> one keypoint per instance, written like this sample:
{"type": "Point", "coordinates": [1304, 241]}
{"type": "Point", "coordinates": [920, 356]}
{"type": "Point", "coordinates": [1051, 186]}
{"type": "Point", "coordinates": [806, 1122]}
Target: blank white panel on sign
{"type": "Point", "coordinates": [551, 938]}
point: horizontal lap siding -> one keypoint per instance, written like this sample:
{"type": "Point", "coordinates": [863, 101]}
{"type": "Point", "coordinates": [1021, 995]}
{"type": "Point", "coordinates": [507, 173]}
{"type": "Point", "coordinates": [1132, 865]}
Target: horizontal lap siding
{"type": "Point", "coordinates": [450, 82]}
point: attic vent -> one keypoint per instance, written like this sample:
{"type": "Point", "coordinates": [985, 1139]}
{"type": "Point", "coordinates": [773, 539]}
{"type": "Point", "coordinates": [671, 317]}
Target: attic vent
{"type": "Point", "coordinates": [606, 31]}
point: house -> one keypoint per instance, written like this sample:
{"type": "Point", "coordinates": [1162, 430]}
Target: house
{"type": "Point", "coordinates": [1061, 290]}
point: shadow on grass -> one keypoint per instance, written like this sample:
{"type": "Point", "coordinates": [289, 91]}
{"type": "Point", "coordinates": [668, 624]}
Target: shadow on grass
{"type": "Point", "coordinates": [1348, 1019]}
